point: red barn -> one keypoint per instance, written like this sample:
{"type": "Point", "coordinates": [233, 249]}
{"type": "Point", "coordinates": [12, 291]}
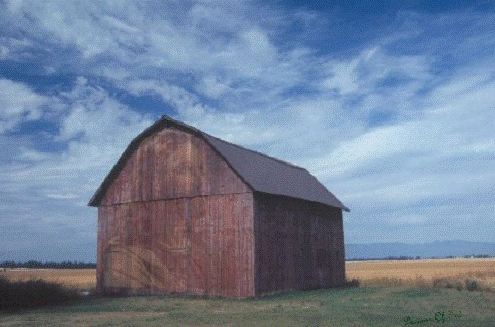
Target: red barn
{"type": "Point", "coordinates": [186, 212]}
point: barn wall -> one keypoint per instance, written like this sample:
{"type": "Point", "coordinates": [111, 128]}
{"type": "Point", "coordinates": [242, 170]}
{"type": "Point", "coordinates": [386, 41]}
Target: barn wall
{"type": "Point", "coordinates": [176, 219]}
{"type": "Point", "coordinates": [299, 244]}
{"type": "Point", "coordinates": [202, 245]}
{"type": "Point", "coordinates": [172, 164]}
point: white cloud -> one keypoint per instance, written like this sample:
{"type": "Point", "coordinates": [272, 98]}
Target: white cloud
{"type": "Point", "coordinates": [484, 146]}
{"type": "Point", "coordinates": [18, 99]}
{"type": "Point", "coordinates": [32, 155]}
{"type": "Point", "coordinates": [14, 5]}
{"type": "Point", "coordinates": [260, 51]}
{"type": "Point", "coordinates": [67, 196]}
{"type": "Point", "coordinates": [18, 103]}
{"type": "Point", "coordinates": [213, 87]}
{"type": "Point", "coordinates": [343, 76]}
{"type": "Point", "coordinates": [105, 128]}
{"type": "Point", "coordinates": [4, 51]}
{"type": "Point", "coordinates": [211, 39]}
{"type": "Point", "coordinates": [243, 128]}
{"type": "Point", "coordinates": [120, 24]}
{"type": "Point", "coordinates": [186, 103]}
{"type": "Point", "coordinates": [362, 73]}
{"type": "Point", "coordinates": [172, 47]}
{"type": "Point", "coordinates": [97, 127]}
{"type": "Point", "coordinates": [47, 193]}
{"type": "Point", "coordinates": [421, 187]}
{"type": "Point", "coordinates": [455, 120]}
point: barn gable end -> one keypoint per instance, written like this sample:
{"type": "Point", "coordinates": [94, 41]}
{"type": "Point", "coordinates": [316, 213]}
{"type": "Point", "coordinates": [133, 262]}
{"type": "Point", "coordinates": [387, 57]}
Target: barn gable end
{"type": "Point", "coordinates": [174, 219]}
{"type": "Point", "coordinates": [172, 164]}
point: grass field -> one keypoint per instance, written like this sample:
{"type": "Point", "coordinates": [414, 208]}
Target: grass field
{"type": "Point", "coordinates": [367, 306]}
{"type": "Point", "coordinates": [395, 293]}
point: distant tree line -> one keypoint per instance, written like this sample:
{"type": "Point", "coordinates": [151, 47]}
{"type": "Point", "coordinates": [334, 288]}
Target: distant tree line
{"type": "Point", "coordinates": [402, 257]}
{"type": "Point", "coordinates": [470, 256]}
{"type": "Point", "coordinates": [48, 264]}
{"type": "Point", "coordinates": [388, 258]}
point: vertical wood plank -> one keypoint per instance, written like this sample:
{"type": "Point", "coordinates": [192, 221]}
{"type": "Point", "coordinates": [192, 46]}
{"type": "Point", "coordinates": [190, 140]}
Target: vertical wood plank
{"type": "Point", "coordinates": [250, 244]}
{"type": "Point", "coordinates": [101, 239]}
{"type": "Point", "coordinates": [108, 255]}
{"type": "Point", "coordinates": [157, 227]}
{"type": "Point", "coordinates": [134, 247]}
{"type": "Point", "coordinates": [126, 175]}
{"type": "Point", "coordinates": [221, 237]}
{"type": "Point", "coordinates": [200, 244]}
{"type": "Point", "coordinates": [163, 274]}
{"type": "Point", "coordinates": [242, 265]}
{"type": "Point", "coordinates": [146, 257]}
{"type": "Point", "coordinates": [211, 248]}
{"type": "Point", "coordinates": [136, 176]}
{"type": "Point", "coordinates": [216, 249]}
{"type": "Point", "coordinates": [124, 215]}
{"type": "Point", "coordinates": [232, 260]}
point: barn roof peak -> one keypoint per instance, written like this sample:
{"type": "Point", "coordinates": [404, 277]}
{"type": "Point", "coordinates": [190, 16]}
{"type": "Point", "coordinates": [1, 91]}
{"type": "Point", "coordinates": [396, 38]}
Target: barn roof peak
{"type": "Point", "coordinates": [165, 117]}
{"type": "Point", "coordinates": [259, 171]}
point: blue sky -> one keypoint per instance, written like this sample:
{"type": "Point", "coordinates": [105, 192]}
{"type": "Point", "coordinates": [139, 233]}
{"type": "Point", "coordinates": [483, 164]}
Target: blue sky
{"type": "Point", "coordinates": [389, 104]}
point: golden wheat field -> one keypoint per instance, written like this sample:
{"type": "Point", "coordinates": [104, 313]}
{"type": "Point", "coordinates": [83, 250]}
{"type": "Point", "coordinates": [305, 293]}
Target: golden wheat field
{"type": "Point", "coordinates": [425, 272]}
{"type": "Point", "coordinates": [83, 279]}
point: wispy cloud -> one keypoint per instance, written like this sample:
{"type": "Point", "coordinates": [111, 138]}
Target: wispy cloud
{"type": "Point", "coordinates": [18, 104]}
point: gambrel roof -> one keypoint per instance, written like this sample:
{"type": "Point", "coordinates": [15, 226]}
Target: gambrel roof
{"type": "Point", "coordinates": [259, 171]}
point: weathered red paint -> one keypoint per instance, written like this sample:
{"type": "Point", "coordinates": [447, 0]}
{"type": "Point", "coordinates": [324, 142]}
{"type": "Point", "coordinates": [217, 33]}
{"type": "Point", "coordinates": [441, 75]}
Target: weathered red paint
{"type": "Point", "coordinates": [178, 219]}
{"type": "Point", "coordinates": [171, 220]}
{"type": "Point", "coordinates": [299, 244]}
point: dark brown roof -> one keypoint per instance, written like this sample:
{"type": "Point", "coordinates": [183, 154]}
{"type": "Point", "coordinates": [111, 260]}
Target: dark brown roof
{"type": "Point", "coordinates": [261, 172]}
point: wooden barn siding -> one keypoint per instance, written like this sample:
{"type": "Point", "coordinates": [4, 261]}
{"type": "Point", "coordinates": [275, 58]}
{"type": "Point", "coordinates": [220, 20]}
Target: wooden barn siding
{"type": "Point", "coordinates": [172, 164]}
{"type": "Point", "coordinates": [176, 219]}
{"type": "Point", "coordinates": [288, 234]}
{"type": "Point", "coordinates": [202, 245]}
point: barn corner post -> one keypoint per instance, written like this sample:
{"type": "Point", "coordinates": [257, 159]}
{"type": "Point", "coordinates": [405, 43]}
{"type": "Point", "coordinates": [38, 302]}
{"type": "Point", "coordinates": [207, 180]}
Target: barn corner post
{"type": "Point", "coordinates": [342, 246]}
{"type": "Point", "coordinates": [99, 253]}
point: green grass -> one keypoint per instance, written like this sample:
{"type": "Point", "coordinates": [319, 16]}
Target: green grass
{"type": "Point", "coordinates": [365, 306]}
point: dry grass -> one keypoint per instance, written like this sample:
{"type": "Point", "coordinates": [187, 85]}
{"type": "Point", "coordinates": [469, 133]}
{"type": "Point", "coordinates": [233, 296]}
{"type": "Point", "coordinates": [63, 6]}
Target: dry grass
{"type": "Point", "coordinates": [450, 273]}
{"type": "Point", "coordinates": [81, 279]}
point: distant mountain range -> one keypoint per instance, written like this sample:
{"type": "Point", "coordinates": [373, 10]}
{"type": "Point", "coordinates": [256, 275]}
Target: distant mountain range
{"type": "Point", "coordinates": [438, 249]}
